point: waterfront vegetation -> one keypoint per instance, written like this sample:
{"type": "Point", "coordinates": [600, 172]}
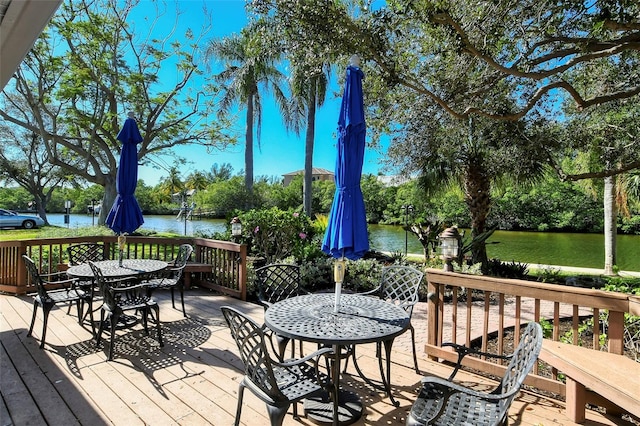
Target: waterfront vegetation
{"type": "Point", "coordinates": [549, 205]}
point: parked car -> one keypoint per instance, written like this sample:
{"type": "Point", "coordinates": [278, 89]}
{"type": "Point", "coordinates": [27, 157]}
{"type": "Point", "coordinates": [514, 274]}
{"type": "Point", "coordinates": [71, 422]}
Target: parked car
{"type": "Point", "coordinates": [9, 219]}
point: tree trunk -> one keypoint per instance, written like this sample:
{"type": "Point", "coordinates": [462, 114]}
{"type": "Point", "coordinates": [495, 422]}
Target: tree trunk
{"type": "Point", "coordinates": [308, 150]}
{"type": "Point", "coordinates": [248, 149]}
{"type": "Point", "coordinates": [610, 229]}
{"type": "Point", "coordinates": [41, 203]}
{"type": "Point", "coordinates": [110, 193]}
{"type": "Point", "coordinates": [477, 198]}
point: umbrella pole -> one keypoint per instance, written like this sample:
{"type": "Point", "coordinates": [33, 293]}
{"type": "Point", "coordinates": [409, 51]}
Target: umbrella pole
{"type": "Point", "coordinates": [338, 277]}
{"type": "Point", "coordinates": [122, 240]}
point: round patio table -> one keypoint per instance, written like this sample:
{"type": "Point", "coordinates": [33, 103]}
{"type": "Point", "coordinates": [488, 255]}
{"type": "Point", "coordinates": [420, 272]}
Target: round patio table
{"type": "Point", "coordinates": [360, 319]}
{"type": "Point", "coordinates": [111, 268]}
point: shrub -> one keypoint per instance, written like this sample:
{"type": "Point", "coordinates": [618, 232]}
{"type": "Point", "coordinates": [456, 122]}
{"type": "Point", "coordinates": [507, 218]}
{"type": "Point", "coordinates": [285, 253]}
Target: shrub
{"type": "Point", "coordinates": [275, 234]}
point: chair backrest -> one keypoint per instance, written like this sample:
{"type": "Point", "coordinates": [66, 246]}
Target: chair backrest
{"type": "Point", "coordinates": [104, 286]}
{"type": "Point", "coordinates": [85, 252]}
{"type": "Point", "coordinates": [36, 279]}
{"type": "Point", "coordinates": [522, 360]}
{"type": "Point", "coordinates": [400, 284]}
{"type": "Point", "coordinates": [277, 282]}
{"type": "Point", "coordinates": [253, 351]}
{"type": "Point", "coordinates": [184, 253]}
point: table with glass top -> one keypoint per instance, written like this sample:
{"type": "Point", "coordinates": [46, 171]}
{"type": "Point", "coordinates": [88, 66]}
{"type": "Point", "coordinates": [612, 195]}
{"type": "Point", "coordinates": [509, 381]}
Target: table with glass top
{"type": "Point", "coordinates": [360, 319]}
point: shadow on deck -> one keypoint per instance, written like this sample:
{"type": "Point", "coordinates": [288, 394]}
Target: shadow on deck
{"type": "Point", "coordinates": [193, 379]}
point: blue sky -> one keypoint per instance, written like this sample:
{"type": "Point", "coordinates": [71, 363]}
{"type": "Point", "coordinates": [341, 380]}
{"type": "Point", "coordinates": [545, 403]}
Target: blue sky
{"type": "Point", "coordinates": [280, 152]}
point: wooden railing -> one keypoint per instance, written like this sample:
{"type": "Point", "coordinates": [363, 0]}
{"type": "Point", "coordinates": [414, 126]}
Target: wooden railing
{"type": "Point", "coordinates": [469, 308]}
{"type": "Point", "coordinates": [228, 260]}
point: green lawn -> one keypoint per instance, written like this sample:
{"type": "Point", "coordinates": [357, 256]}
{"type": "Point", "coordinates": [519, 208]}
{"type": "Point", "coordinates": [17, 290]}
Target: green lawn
{"type": "Point", "coordinates": [61, 232]}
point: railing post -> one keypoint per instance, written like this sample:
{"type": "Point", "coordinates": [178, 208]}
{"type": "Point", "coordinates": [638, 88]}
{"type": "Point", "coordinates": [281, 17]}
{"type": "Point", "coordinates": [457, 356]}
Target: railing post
{"type": "Point", "coordinates": [615, 332]}
{"type": "Point", "coordinates": [242, 273]}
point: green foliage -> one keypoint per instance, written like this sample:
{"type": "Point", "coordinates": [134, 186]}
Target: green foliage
{"type": "Point", "coordinates": [497, 268]}
{"type": "Point", "coordinates": [629, 285]}
{"type": "Point", "coordinates": [550, 275]}
{"type": "Point", "coordinates": [549, 206]}
{"type": "Point", "coordinates": [630, 225]}
{"type": "Point", "coordinates": [15, 198]}
{"type": "Point", "coordinates": [275, 234]}
{"type": "Point", "coordinates": [317, 275]}
{"type": "Point", "coordinates": [362, 275]}
{"type": "Point", "coordinates": [547, 328]}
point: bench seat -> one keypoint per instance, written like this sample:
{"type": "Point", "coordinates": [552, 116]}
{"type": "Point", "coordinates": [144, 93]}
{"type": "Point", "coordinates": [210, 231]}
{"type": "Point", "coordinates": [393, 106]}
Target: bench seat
{"type": "Point", "coordinates": [614, 377]}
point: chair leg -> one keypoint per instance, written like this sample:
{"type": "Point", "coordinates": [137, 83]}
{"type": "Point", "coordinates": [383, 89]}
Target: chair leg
{"type": "Point", "coordinates": [413, 344]}
{"type": "Point", "coordinates": [184, 312]}
{"type": "Point", "coordinates": [90, 312]}
{"type": "Point", "coordinates": [282, 346]}
{"type": "Point", "coordinates": [33, 317]}
{"type": "Point", "coordinates": [145, 313]}
{"type": "Point", "coordinates": [239, 408]}
{"type": "Point", "coordinates": [100, 328]}
{"type": "Point", "coordinates": [80, 309]}
{"type": "Point", "coordinates": [173, 302]}
{"type": "Point", "coordinates": [114, 324]}
{"type": "Point", "coordinates": [277, 414]}
{"type": "Point", "coordinates": [46, 308]}
{"type": "Point", "coordinates": [159, 327]}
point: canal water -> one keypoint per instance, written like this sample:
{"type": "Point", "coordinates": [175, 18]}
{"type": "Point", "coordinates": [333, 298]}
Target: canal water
{"type": "Point", "coordinates": [549, 248]}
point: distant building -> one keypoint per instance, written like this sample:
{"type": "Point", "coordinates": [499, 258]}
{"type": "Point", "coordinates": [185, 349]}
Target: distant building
{"type": "Point", "coordinates": [394, 180]}
{"type": "Point", "coordinates": [316, 174]}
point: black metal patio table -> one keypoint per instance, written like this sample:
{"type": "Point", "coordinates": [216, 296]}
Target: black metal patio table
{"type": "Point", "coordinates": [111, 268]}
{"type": "Point", "coordinates": [360, 319]}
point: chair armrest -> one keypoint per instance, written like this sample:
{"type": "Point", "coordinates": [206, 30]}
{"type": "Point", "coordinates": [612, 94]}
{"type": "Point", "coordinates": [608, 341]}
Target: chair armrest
{"type": "Point", "coordinates": [298, 361]}
{"type": "Point", "coordinates": [463, 351]}
{"type": "Point", "coordinates": [375, 292]}
{"type": "Point", "coordinates": [322, 379]}
{"type": "Point", "coordinates": [59, 278]}
{"type": "Point", "coordinates": [128, 288]}
{"type": "Point", "coordinates": [450, 388]}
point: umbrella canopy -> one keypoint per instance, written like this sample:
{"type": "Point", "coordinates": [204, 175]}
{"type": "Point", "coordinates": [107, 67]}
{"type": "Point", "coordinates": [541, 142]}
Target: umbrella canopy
{"type": "Point", "coordinates": [346, 234]}
{"type": "Point", "coordinates": [125, 215]}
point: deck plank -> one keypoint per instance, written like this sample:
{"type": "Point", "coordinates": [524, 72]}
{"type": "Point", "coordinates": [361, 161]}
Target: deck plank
{"type": "Point", "coordinates": [193, 380]}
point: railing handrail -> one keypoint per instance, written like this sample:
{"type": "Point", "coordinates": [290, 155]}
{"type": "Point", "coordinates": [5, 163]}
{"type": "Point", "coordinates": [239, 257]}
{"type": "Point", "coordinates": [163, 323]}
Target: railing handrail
{"type": "Point", "coordinates": [460, 302]}
{"type": "Point", "coordinates": [230, 262]}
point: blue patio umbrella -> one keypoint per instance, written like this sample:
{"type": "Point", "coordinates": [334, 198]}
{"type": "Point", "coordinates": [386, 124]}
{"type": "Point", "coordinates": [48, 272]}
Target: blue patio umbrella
{"type": "Point", "coordinates": [346, 234]}
{"type": "Point", "coordinates": [125, 215]}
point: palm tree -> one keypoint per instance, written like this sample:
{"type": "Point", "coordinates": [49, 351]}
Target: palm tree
{"type": "Point", "coordinates": [308, 88]}
{"type": "Point", "coordinates": [247, 67]}
{"type": "Point", "coordinates": [170, 185]}
{"type": "Point", "coordinates": [197, 180]}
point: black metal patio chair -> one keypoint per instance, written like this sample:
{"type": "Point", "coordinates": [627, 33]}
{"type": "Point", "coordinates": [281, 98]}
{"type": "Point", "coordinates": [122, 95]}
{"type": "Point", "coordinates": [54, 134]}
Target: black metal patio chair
{"type": "Point", "coordinates": [278, 384]}
{"type": "Point", "coordinates": [81, 253]}
{"type": "Point", "coordinates": [70, 293]}
{"type": "Point", "coordinates": [399, 285]}
{"type": "Point", "coordinates": [443, 402]}
{"type": "Point", "coordinates": [172, 277]}
{"type": "Point", "coordinates": [276, 282]}
{"type": "Point", "coordinates": [119, 297]}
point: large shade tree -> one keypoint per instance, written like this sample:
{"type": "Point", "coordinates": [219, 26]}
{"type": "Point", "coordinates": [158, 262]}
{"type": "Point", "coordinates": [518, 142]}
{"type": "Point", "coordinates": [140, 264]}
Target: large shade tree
{"type": "Point", "coordinates": [467, 57]}
{"type": "Point", "coordinates": [88, 69]}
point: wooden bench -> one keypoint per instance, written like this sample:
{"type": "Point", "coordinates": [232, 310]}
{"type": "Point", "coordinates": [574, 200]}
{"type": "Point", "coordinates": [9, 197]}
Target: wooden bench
{"type": "Point", "coordinates": [614, 377]}
{"type": "Point", "coordinates": [194, 268]}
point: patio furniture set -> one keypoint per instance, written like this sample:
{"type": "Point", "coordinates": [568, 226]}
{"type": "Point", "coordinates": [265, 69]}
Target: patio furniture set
{"type": "Point", "coordinates": [377, 317]}
{"type": "Point", "coordinates": [121, 287]}
{"type": "Point", "coordinates": [290, 314]}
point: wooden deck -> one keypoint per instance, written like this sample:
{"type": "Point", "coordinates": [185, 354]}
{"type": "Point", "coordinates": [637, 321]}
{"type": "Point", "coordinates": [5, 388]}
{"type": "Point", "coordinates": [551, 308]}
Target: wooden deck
{"type": "Point", "coordinates": [192, 380]}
